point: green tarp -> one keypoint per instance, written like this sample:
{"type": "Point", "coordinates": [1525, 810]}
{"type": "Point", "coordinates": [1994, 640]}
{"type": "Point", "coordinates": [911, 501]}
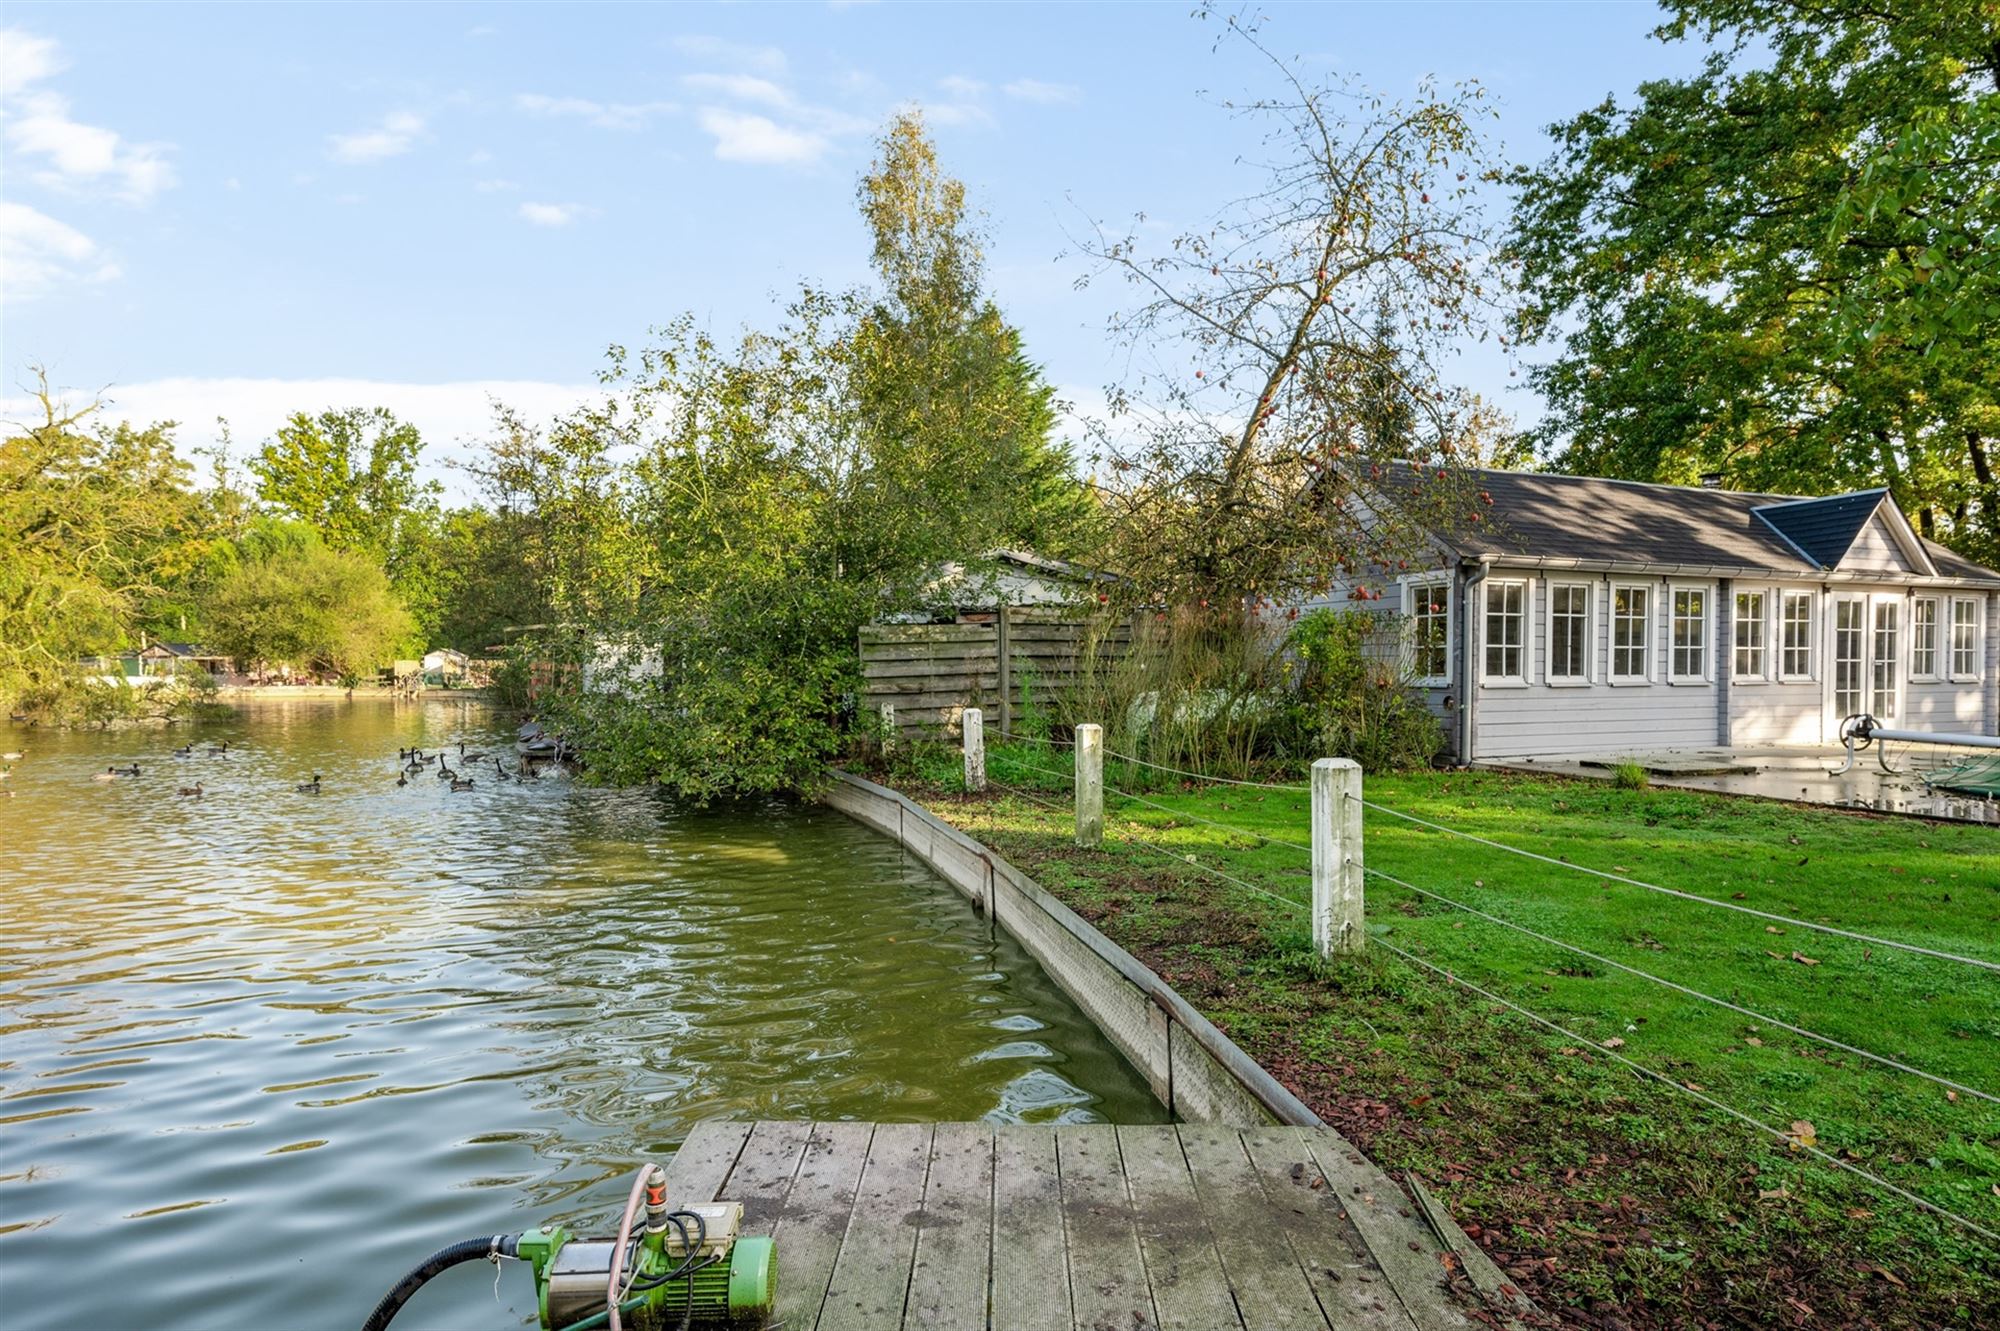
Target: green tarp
{"type": "Point", "coordinates": [1974, 776]}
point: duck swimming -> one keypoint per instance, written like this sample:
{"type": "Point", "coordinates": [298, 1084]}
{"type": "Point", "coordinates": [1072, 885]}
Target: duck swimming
{"type": "Point", "coordinates": [193, 791]}
{"type": "Point", "coordinates": [309, 787]}
{"type": "Point", "coordinates": [457, 784]}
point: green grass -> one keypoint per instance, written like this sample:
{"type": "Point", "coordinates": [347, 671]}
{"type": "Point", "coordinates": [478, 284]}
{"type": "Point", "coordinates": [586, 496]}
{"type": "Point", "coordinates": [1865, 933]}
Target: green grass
{"type": "Point", "coordinates": [1383, 1042]}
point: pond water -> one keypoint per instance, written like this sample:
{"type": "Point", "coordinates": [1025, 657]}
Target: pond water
{"type": "Point", "coordinates": [262, 1051]}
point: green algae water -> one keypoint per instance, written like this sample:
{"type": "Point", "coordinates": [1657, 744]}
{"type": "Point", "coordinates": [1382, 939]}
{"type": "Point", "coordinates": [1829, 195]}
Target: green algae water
{"type": "Point", "coordinates": [263, 1051]}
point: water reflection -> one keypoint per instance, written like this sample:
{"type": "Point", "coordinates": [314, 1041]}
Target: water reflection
{"type": "Point", "coordinates": [269, 1048]}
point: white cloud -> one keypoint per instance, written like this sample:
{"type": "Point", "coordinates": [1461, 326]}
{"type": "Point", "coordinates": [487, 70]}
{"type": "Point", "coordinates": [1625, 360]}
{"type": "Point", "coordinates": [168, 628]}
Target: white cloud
{"type": "Point", "coordinates": [76, 156]}
{"type": "Point", "coordinates": [448, 414]}
{"type": "Point", "coordinates": [741, 87]}
{"type": "Point", "coordinates": [766, 59]}
{"type": "Point", "coordinates": [39, 253]}
{"type": "Point", "coordinates": [954, 113]}
{"type": "Point", "coordinates": [554, 214]}
{"type": "Point", "coordinates": [742, 137]}
{"type": "Point", "coordinates": [957, 85]}
{"type": "Point", "coordinates": [496, 186]}
{"type": "Point", "coordinates": [1045, 94]}
{"type": "Point", "coordinates": [26, 59]}
{"type": "Point", "coordinates": [396, 134]}
{"type": "Point", "coordinates": [605, 115]}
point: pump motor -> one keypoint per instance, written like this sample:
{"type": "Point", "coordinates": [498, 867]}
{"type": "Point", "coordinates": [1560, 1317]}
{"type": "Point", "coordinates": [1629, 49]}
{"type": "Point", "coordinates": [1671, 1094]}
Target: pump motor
{"type": "Point", "coordinates": [690, 1267]}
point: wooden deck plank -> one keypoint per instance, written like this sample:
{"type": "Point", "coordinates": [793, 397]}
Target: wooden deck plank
{"type": "Point", "coordinates": [813, 1220]}
{"type": "Point", "coordinates": [1305, 1208]}
{"type": "Point", "coordinates": [1107, 1272]}
{"type": "Point", "coordinates": [1401, 1244]}
{"type": "Point", "coordinates": [1190, 1290]}
{"type": "Point", "coordinates": [948, 1283]}
{"type": "Point", "coordinates": [1270, 1286]}
{"type": "Point", "coordinates": [764, 1172]}
{"type": "Point", "coordinates": [1030, 1278]}
{"type": "Point", "coordinates": [871, 1276]}
{"type": "Point", "coordinates": [702, 1164]}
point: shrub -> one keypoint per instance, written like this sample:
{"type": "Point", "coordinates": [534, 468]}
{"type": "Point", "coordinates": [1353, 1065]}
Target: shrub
{"type": "Point", "coordinates": [1629, 775]}
{"type": "Point", "coordinates": [1354, 697]}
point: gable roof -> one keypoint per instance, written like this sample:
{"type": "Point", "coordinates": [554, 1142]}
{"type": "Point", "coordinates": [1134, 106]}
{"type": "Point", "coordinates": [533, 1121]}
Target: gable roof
{"type": "Point", "coordinates": [1594, 521]}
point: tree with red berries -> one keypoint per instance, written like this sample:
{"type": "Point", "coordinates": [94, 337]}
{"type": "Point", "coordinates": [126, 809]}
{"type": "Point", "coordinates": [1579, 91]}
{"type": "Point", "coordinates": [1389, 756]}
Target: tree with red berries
{"type": "Point", "coordinates": [1252, 462]}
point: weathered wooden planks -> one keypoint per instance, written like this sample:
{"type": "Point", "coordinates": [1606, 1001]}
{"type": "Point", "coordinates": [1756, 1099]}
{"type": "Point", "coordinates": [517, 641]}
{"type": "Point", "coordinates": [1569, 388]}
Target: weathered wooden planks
{"type": "Point", "coordinates": [964, 1227]}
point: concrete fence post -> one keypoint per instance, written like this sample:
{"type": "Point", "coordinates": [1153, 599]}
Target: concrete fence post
{"type": "Point", "coordinates": [1090, 786]}
{"type": "Point", "coordinates": [972, 722]}
{"type": "Point", "coordinates": [888, 727]}
{"type": "Point", "coordinates": [1336, 857]}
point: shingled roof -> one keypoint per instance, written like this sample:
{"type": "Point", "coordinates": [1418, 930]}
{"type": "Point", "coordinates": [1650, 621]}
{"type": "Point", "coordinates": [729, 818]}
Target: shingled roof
{"type": "Point", "coordinates": [1590, 520]}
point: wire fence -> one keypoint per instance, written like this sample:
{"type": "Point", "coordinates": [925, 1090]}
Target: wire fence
{"type": "Point", "coordinates": [1431, 969]}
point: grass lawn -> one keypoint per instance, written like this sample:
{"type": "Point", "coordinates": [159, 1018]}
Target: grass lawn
{"type": "Point", "coordinates": [1616, 1201]}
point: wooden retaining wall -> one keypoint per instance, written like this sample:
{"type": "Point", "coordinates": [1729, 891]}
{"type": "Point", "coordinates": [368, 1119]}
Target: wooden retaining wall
{"type": "Point", "coordinates": [931, 673]}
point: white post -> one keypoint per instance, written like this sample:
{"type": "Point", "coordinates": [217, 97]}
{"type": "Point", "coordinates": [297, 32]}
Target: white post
{"type": "Point", "coordinates": [888, 727]}
{"type": "Point", "coordinates": [973, 723]}
{"type": "Point", "coordinates": [1090, 786]}
{"type": "Point", "coordinates": [1336, 857]}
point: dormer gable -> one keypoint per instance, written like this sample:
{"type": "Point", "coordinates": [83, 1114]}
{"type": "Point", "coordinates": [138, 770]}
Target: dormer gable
{"type": "Point", "coordinates": [1861, 532]}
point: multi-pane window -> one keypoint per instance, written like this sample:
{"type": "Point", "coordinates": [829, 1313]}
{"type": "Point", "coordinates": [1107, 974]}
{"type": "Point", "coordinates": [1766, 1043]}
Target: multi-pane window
{"type": "Point", "coordinates": [1430, 632]}
{"type": "Point", "coordinates": [1886, 658]}
{"type": "Point", "coordinates": [1924, 638]}
{"type": "Point", "coordinates": [1630, 607]}
{"type": "Point", "coordinates": [1690, 634]}
{"type": "Point", "coordinates": [1847, 627]}
{"type": "Point", "coordinates": [1506, 630]}
{"type": "Point", "coordinates": [1569, 631]}
{"type": "Point", "coordinates": [1750, 653]}
{"type": "Point", "coordinates": [1964, 638]}
{"type": "Point", "coordinates": [1795, 619]}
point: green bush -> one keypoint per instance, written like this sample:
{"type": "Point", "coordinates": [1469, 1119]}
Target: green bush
{"type": "Point", "coordinates": [1354, 698]}
{"type": "Point", "coordinates": [1629, 775]}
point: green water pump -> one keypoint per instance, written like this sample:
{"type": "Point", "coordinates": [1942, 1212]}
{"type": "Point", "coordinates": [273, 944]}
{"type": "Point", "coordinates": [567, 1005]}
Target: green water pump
{"type": "Point", "coordinates": [686, 1267]}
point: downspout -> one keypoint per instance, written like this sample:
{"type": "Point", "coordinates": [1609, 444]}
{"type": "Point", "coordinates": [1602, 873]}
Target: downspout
{"type": "Point", "coordinates": [1992, 627]}
{"type": "Point", "coordinates": [1469, 689]}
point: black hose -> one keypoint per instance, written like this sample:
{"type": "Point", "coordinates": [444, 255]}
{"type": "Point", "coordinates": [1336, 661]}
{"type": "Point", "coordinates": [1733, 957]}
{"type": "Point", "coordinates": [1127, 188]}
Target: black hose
{"type": "Point", "coordinates": [465, 1250]}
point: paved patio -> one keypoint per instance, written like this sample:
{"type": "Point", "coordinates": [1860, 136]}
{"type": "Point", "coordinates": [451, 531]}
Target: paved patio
{"type": "Point", "coordinates": [1800, 774]}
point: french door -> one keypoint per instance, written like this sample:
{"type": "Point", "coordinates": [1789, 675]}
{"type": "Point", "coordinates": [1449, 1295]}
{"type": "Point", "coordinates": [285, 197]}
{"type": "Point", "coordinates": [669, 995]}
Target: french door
{"type": "Point", "coordinates": [1867, 674]}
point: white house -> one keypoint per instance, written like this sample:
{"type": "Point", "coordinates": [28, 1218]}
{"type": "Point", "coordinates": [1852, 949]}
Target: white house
{"type": "Point", "coordinates": [1595, 617]}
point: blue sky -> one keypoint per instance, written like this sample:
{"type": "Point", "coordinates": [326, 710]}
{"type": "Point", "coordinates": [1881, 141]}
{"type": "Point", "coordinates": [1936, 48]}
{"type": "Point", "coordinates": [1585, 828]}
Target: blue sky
{"type": "Point", "coordinates": [246, 210]}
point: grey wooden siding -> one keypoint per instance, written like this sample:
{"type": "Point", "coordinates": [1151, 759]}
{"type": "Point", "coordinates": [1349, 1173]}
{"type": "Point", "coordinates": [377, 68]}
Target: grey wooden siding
{"type": "Point", "coordinates": [1556, 721]}
{"type": "Point", "coordinates": [1875, 550]}
{"type": "Point", "coordinates": [1774, 711]}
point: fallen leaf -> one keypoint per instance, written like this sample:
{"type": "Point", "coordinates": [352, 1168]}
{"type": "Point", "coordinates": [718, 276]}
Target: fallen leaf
{"type": "Point", "coordinates": [1772, 929]}
{"type": "Point", "coordinates": [1804, 960]}
{"type": "Point", "coordinates": [1753, 1040]}
{"type": "Point", "coordinates": [1951, 1096]}
{"type": "Point", "coordinates": [1858, 1213]}
{"type": "Point", "coordinates": [1802, 1134]}
{"type": "Point", "coordinates": [1777, 1194]}
{"type": "Point", "coordinates": [1615, 1042]}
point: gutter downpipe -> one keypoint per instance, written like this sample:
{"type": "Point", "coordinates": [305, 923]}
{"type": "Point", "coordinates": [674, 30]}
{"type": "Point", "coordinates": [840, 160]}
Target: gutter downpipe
{"type": "Point", "coordinates": [1469, 693]}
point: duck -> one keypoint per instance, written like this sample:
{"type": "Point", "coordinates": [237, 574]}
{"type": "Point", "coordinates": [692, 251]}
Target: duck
{"type": "Point", "coordinates": [408, 755]}
{"type": "Point", "coordinates": [133, 770]}
{"type": "Point", "coordinates": [500, 769]}
{"type": "Point", "coordinates": [220, 750]}
{"type": "Point", "coordinates": [458, 783]}
{"type": "Point", "coordinates": [402, 778]}
{"type": "Point", "coordinates": [468, 757]}
{"type": "Point", "coordinates": [185, 751]}
{"type": "Point", "coordinates": [193, 791]}
{"type": "Point", "coordinates": [428, 758]}
{"type": "Point", "coordinates": [445, 773]}
{"type": "Point", "coordinates": [309, 787]}
{"type": "Point", "coordinates": [13, 757]}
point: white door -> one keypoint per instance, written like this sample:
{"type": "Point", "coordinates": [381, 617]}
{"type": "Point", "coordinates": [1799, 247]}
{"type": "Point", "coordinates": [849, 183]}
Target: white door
{"type": "Point", "coordinates": [1867, 653]}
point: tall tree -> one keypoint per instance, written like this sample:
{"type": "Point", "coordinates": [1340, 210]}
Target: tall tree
{"type": "Point", "coordinates": [932, 311]}
{"type": "Point", "coordinates": [295, 601]}
{"type": "Point", "coordinates": [1246, 461]}
{"type": "Point", "coordinates": [1783, 267]}
{"type": "Point", "coordinates": [95, 522]}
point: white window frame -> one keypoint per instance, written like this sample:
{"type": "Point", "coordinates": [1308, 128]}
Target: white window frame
{"type": "Point", "coordinates": [1896, 662]}
{"type": "Point", "coordinates": [1812, 629]}
{"type": "Point", "coordinates": [1764, 672]}
{"type": "Point", "coordinates": [1486, 590]}
{"type": "Point", "coordinates": [1587, 659]}
{"type": "Point", "coordinates": [1918, 673]}
{"type": "Point", "coordinates": [1705, 653]}
{"type": "Point", "coordinates": [1646, 621]}
{"type": "Point", "coordinates": [1411, 587]}
{"type": "Point", "coordinates": [1978, 671]}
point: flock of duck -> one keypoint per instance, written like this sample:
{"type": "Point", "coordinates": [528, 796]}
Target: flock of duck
{"type": "Point", "coordinates": [409, 762]}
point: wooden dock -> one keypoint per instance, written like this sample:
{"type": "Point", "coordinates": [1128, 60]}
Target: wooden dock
{"type": "Point", "coordinates": [1090, 1227]}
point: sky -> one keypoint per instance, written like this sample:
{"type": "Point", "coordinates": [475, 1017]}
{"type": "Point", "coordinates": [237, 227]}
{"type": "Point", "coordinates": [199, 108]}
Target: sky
{"type": "Point", "coordinates": [243, 211]}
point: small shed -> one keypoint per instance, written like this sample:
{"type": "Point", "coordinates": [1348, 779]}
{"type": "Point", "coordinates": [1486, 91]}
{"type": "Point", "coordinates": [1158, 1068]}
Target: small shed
{"type": "Point", "coordinates": [163, 660]}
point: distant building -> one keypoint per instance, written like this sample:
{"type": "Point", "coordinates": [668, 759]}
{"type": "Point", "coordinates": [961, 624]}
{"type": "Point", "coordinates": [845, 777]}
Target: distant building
{"type": "Point", "coordinates": [168, 659]}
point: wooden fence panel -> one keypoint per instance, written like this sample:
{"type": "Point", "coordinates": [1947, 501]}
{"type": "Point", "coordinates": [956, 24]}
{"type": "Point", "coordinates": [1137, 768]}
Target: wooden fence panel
{"type": "Point", "coordinates": [931, 673]}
